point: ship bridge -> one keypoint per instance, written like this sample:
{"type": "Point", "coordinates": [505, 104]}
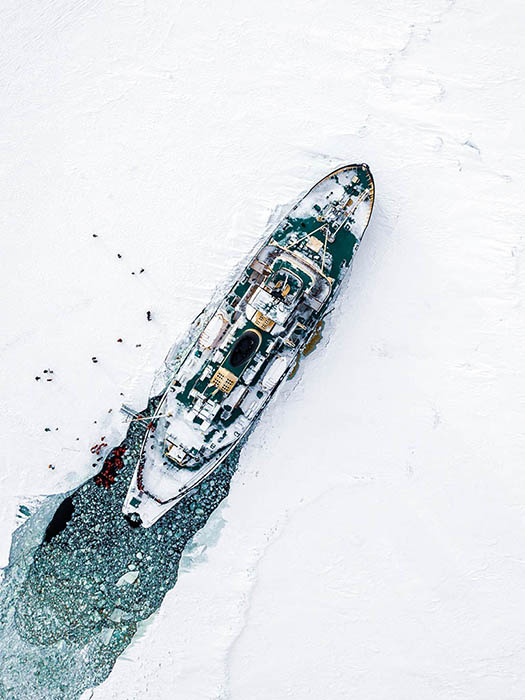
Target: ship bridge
{"type": "Point", "coordinates": [286, 277]}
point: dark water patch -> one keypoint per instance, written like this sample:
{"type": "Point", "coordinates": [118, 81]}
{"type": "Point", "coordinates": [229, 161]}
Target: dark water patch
{"type": "Point", "coordinates": [60, 519]}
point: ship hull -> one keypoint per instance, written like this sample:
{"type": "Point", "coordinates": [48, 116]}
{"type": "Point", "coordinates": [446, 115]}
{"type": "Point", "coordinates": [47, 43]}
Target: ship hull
{"type": "Point", "coordinates": [251, 344]}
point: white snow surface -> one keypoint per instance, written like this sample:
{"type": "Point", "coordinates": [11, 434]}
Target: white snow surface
{"type": "Point", "coordinates": [373, 542]}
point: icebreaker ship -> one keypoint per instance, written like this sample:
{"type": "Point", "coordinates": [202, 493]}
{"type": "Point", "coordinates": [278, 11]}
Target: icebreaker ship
{"type": "Point", "coordinates": [251, 343]}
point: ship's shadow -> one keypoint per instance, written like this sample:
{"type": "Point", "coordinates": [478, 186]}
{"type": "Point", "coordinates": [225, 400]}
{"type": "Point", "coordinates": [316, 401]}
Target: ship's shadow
{"type": "Point", "coordinates": [94, 578]}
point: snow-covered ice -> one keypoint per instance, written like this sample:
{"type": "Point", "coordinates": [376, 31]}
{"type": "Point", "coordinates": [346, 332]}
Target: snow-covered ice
{"type": "Point", "coordinates": [372, 542]}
